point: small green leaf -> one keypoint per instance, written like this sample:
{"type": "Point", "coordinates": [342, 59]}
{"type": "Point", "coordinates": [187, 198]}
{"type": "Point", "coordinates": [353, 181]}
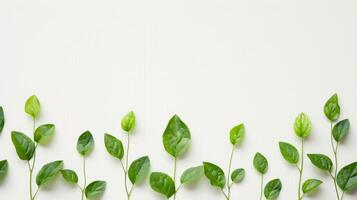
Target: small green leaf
{"type": "Point", "coordinates": [139, 169]}
{"type": "Point", "coordinates": [176, 137]}
{"type": "Point", "coordinates": [238, 175]}
{"type": "Point", "coordinates": [347, 177]}
{"type": "Point", "coordinates": [237, 134]}
{"type": "Point", "coordinates": [289, 152]}
{"type": "Point", "coordinates": [163, 184]}
{"type": "Point", "coordinates": [44, 133]}
{"type": "Point", "coordinates": [332, 108]}
{"type": "Point", "coordinates": [24, 146]}
{"type": "Point", "coordinates": [2, 119]}
{"type": "Point", "coordinates": [85, 143]}
{"type": "Point", "coordinates": [32, 106]}
{"type": "Point", "coordinates": [70, 176]}
{"type": "Point", "coordinates": [310, 185]}
{"type": "Point", "coordinates": [302, 125]}
{"type": "Point", "coordinates": [128, 122]}
{"type": "Point", "coordinates": [260, 163]}
{"type": "Point", "coordinates": [95, 189]}
{"type": "Point", "coordinates": [340, 130]}
{"type": "Point", "coordinates": [4, 165]}
{"type": "Point", "coordinates": [214, 174]}
{"type": "Point", "coordinates": [114, 146]}
{"type": "Point", "coordinates": [192, 174]}
{"type": "Point", "coordinates": [321, 161]}
{"type": "Point", "coordinates": [272, 189]}
{"type": "Point", "coordinates": [48, 172]}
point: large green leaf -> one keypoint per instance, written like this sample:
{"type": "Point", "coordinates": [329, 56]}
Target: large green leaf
{"type": "Point", "coordinates": [214, 174]}
{"type": "Point", "coordinates": [321, 161]}
{"type": "Point", "coordinates": [332, 108]}
{"type": "Point", "coordinates": [347, 177]}
{"type": "Point", "coordinates": [192, 174]}
{"type": "Point", "coordinates": [4, 165]}
{"type": "Point", "coordinates": [95, 190]}
{"type": "Point", "coordinates": [289, 152]}
{"type": "Point", "coordinates": [139, 169]}
{"type": "Point", "coordinates": [176, 137]}
{"type": "Point", "coordinates": [272, 189]}
{"type": "Point", "coordinates": [260, 163]}
{"type": "Point", "coordinates": [238, 175]}
{"type": "Point", "coordinates": [32, 106]}
{"type": "Point", "coordinates": [70, 176]}
{"type": "Point", "coordinates": [2, 119]}
{"type": "Point", "coordinates": [25, 147]}
{"type": "Point", "coordinates": [163, 184]}
{"type": "Point", "coordinates": [85, 143]}
{"type": "Point", "coordinates": [128, 122]}
{"type": "Point", "coordinates": [114, 146]}
{"type": "Point", "coordinates": [48, 172]}
{"type": "Point", "coordinates": [44, 133]}
{"type": "Point", "coordinates": [237, 134]}
{"type": "Point", "coordinates": [302, 125]}
{"type": "Point", "coordinates": [310, 185]}
{"type": "Point", "coordinates": [340, 130]}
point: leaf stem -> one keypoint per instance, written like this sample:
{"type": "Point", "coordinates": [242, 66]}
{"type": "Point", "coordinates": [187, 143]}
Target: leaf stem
{"type": "Point", "coordinates": [175, 169]}
{"type": "Point", "coordinates": [261, 186]}
{"type": "Point", "coordinates": [301, 169]}
{"type": "Point", "coordinates": [229, 172]}
{"type": "Point", "coordinates": [128, 193]}
{"type": "Point", "coordinates": [335, 150]}
{"type": "Point", "coordinates": [225, 195]}
{"type": "Point", "coordinates": [32, 166]}
{"type": "Point", "coordinates": [85, 177]}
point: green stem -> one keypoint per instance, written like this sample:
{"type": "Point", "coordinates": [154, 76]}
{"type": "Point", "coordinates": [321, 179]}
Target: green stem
{"type": "Point", "coordinates": [32, 166]}
{"type": "Point", "coordinates": [301, 169]}
{"type": "Point", "coordinates": [225, 195]}
{"type": "Point", "coordinates": [85, 178]}
{"type": "Point", "coordinates": [175, 169]}
{"type": "Point", "coordinates": [229, 172]}
{"type": "Point", "coordinates": [335, 150]}
{"type": "Point", "coordinates": [261, 186]}
{"type": "Point", "coordinates": [128, 193]}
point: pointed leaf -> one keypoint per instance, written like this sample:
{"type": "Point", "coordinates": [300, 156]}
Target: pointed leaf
{"type": "Point", "coordinates": [139, 170]}
{"type": "Point", "coordinates": [302, 125]}
{"type": "Point", "coordinates": [44, 133]}
{"type": "Point", "coordinates": [347, 177]}
{"type": "Point", "coordinates": [114, 146]}
{"type": "Point", "coordinates": [214, 174]}
{"type": "Point", "coordinates": [289, 152]}
{"type": "Point", "coordinates": [260, 163]}
{"type": "Point", "coordinates": [48, 172]}
{"type": "Point", "coordinates": [95, 189]}
{"type": "Point", "coordinates": [340, 130]}
{"type": "Point", "coordinates": [4, 165]}
{"type": "Point", "coordinates": [24, 146]}
{"type": "Point", "coordinates": [128, 122]}
{"type": "Point", "coordinates": [238, 175]}
{"type": "Point", "coordinates": [272, 189]}
{"type": "Point", "coordinates": [321, 161]}
{"type": "Point", "coordinates": [192, 174]}
{"type": "Point", "coordinates": [163, 184]}
{"type": "Point", "coordinates": [32, 106]}
{"type": "Point", "coordinates": [310, 185]}
{"type": "Point", "coordinates": [332, 108]}
{"type": "Point", "coordinates": [70, 176]}
{"type": "Point", "coordinates": [237, 134]}
{"type": "Point", "coordinates": [85, 143]}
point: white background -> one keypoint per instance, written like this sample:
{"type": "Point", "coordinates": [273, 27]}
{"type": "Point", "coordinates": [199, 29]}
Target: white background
{"type": "Point", "coordinates": [214, 63]}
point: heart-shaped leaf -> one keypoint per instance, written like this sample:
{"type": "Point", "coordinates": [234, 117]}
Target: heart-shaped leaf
{"type": "Point", "coordinates": [289, 152]}
{"type": "Point", "coordinates": [139, 169]}
{"type": "Point", "coordinates": [114, 146]}
{"type": "Point", "coordinates": [260, 163]}
{"type": "Point", "coordinates": [48, 172]}
{"type": "Point", "coordinates": [25, 147]}
{"type": "Point", "coordinates": [302, 125]}
{"type": "Point", "coordinates": [32, 106]}
{"type": "Point", "coordinates": [85, 143]}
{"type": "Point", "coordinates": [332, 108]}
{"type": "Point", "coordinates": [163, 184]}
{"type": "Point", "coordinates": [95, 189]}
{"type": "Point", "coordinates": [214, 174]}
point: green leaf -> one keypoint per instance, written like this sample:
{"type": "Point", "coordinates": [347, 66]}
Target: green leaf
{"type": "Point", "coordinates": [192, 174]}
{"type": "Point", "coordinates": [44, 133]}
{"type": "Point", "coordinates": [238, 175]}
{"type": "Point", "coordinates": [347, 177]}
{"type": "Point", "coordinates": [139, 169]}
{"type": "Point", "coordinates": [114, 146]}
{"type": "Point", "coordinates": [289, 152]}
{"type": "Point", "coordinates": [24, 146]}
{"type": "Point", "coordinates": [32, 106]}
{"type": "Point", "coordinates": [128, 122]}
{"type": "Point", "coordinates": [95, 189]}
{"type": "Point", "coordinates": [214, 174]}
{"type": "Point", "coordinates": [321, 161]}
{"type": "Point", "coordinates": [302, 125]}
{"type": "Point", "coordinates": [48, 172]}
{"type": "Point", "coordinates": [163, 184]}
{"type": "Point", "coordinates": [85, 143]}
{"type": "Point", "coordinates": [310, 185]}
{"type": "Point", "coordinates": [70, 176]}
{"type": "Point", "coordinates": [260, 163]}
{"type": "Point", "coordinates": [176, 137]}
{"type": "Point", "coordinates": [340, 130]}
{"type": "Point", "coordinates": [332, 108]}
{"type": "Point", "coordinates": [2, 119]}
{"type": "Point", "coordinates": [237, 134]}
{"type": "Point", "coordinates": [272, 189]}
{"type": "Point", "coordinates": [4, 165]}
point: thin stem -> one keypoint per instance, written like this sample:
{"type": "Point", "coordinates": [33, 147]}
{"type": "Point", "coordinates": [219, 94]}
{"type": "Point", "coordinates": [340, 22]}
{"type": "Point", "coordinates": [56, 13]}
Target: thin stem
{"type": "Point", "coordinates": [85, 177]}
{"type": "Point", "coordinates": [126, 169]}
{"type": "Point", "coordinates": [229, 172]}
{"type": "Point", "coordinates": [335, 150]}
{"type": "Point", "coordinates": [32, 166]}
{"type": "Point", "coordinates": [225, 195]}
{"type": "Point", "coordinates": [261, 186]}
{"type": "Point", "coordinates": [175, 169]}
{"type": "Point", "coordinates": [301, 169]}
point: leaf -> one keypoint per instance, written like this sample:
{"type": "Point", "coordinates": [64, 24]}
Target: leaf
{"type": "Point", "coordinates": [2, 119]}
{"type": "Point", "coordinates": [48, 172]}
{"type": "Point", "coordinates": [128, 122]}
{"type": "Point", "coordinates": [176, 137]}
{"type": "Point", "coordinates": [310, 185]}
{"type": "Point", "coordinates": [139, 169]}
{"type": "Point", "coordinates": [347, 177]}
{"type": "Point", "coordinates": [70, 176]}
{"type": "Point", "coordinates": [321, 161]}
{"type": "Point", "coordinates": [214, 174]}
{"type": "Point", "coordinates": [192, 174]}
{"type": "Point", "coordinates": [32, 106]}
{"type": "Point", "coordinates": [332, 108]}
{"type": "Point", "coordinates": [272, 189]}
{"type": "Point", "coordinates": [44, 133]}
{"type": "Point", "coordinates": [4, 166]}
{"type": "Point", "coordinates": [114, 146]}
{"type": "Point", "coordinates": [85, 143]}
{"type": "Point", "coordinates": [95, 189]}
{"type": "Point", "coordinates": [238, 175]}
{"type": "Point", "coordinates": [302, 125]}
{"type": "Point", "coordinates": [260, 163]}
{"type": "Point", "coordinates": [24, 146]}
{"type": "Point", "coordinates": [289, 152]}
{"type": "Point", "coordinates": [237, 134]}
{"type": "Point", "coordinates": [340, 130]}
{"type": "Point", "coordinates": [162, 183]}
